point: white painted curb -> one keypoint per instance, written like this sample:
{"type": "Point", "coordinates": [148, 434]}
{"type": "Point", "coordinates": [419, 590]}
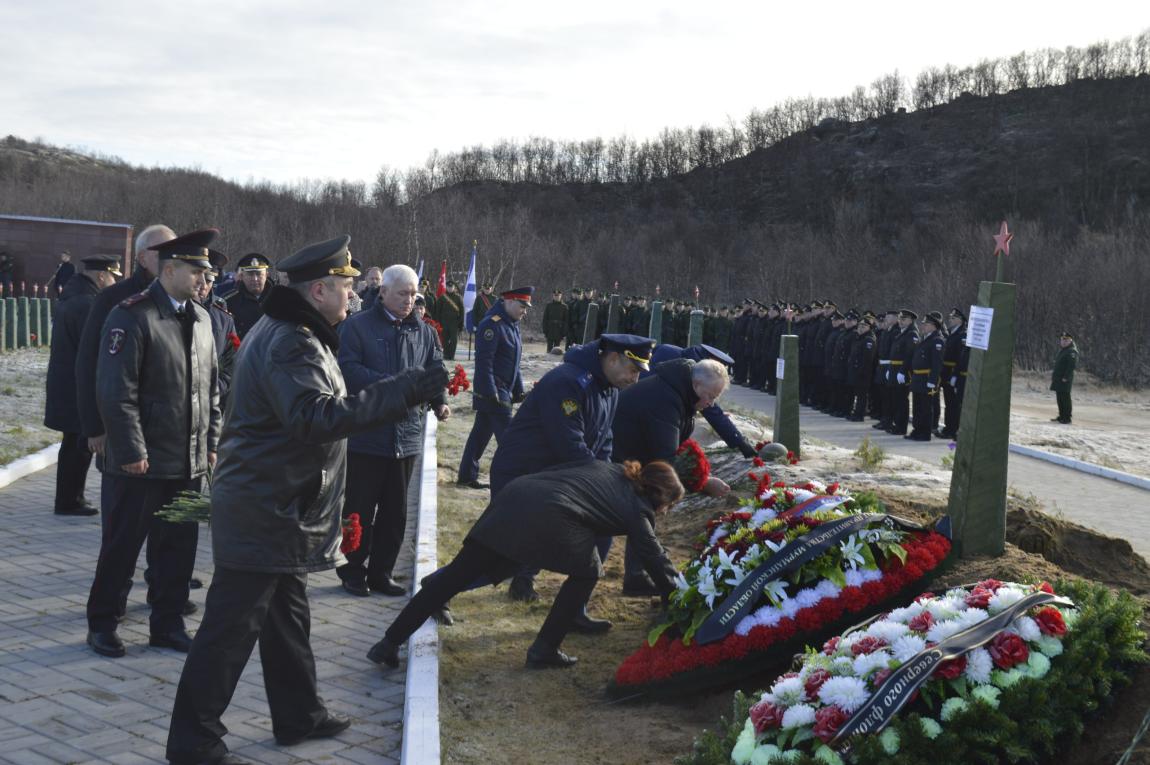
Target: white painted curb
{"type": "Point", "coordinates": [28, 465]}
{"type": "Point", "coordinates": [421, 696]}
{"type": "Point", "coordinates": [1084, 467]}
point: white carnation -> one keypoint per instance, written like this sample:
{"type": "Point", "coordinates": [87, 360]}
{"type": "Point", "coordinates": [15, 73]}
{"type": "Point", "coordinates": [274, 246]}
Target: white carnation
{"type": "Point", "coordinates": [746, 624]}
{"type": "Point", "coordinates": [887, 630]}
{"type": "Point", "coordinates": [828, 589]}
{"type": "Point", "coordinates": [842, 665]}
{"type": "Point", "coordinates": [807, 597]}
{"type": "Point", "coordinates": [849, 693]}
{"type": "Point", "coordinates": [866, 663]}
{"type": "Point", "coordinates": [768, 616]}
{"type": "Point", "coordinates": [940, 631]}
{"type": "Point", "coordinates": [907, 647]}
{"type": "Point", "coordinates": [870, 575]}
{"type": "Point", "coordinates": [798, 716]}
{"type": "Point", "coordinates": [941, 610]}
{"type": "Point", "coordinates": [719, 532]}
{"type": "Point", "coordinates": [1005, 598]}
{"type": "Point", "coordinates": [978, 666]}
{"type": "Point", "coordinates": [788, 691]}
{"type": "Point", "coordinates": [790, 607]}
{"type": "Point", "coordinates": [1027, 629]}
{"type": "Point", "coordinates": [762, 515]}
{"type": "Point", "coordinates": [971, 617]}
{"type": "Point", "coordinates": [906, 613]}
{"type": "Point", "coordinates": [854, 577]}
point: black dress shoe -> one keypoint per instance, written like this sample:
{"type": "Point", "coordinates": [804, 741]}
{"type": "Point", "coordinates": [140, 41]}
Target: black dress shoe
{"type": "Point", "coordinates": [195, 584]}
{"type": "Point", "coordinates": [476, 484]}
{"type": "Point", "coordinates": [588, 626]}
{"type": "Point", "coordinates": [81, 510]}
{"type": "Point", "coordinates": [177, 640]}
{"type": "Point", "coordinates": [224, 759]}
{"type": "Point", "coordinates": [384, 652]}
{"type": "Point", "coordinates": [917, 437]}
{"type": "Point", "coordinates": [522, 588]}
{"type": "Point", "coordinates": [331, 725]}
{"type": "Point", "coordinates": [106, 644]}
{"type": "Point", "coordinates": [444, 616]}
{"type": "Point", "coordinates": [189, 608]}
{"type": "Point", "coordinates": [542, 657]}
{"type": "Point", "coordinates": [356, 587]}
{"type": "Point", "coordinates": [387, 586]}
{"type": "Point", "coordinates": [881, 425]}
{"type": "Point", "coordinates": [639, 587]}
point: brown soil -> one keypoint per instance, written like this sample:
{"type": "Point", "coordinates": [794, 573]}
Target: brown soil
{"type": "Point", "coordinates": [494, 710]}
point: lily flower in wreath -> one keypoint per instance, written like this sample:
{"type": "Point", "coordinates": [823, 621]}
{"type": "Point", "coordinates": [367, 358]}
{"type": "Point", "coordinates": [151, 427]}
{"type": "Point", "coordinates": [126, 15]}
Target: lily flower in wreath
{"type": "Point", "coordinates": [851, 548]}
{"type": "Point", "coordinates": [775, 591]}
{"type": "Point", "coordinates": [707, 587]}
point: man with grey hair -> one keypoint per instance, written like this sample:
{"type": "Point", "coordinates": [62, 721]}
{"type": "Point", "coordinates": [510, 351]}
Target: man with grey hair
{"type": "Point", "coordinates": [276, 499]}
{"type": "Point", "coordinates": [376, 344]}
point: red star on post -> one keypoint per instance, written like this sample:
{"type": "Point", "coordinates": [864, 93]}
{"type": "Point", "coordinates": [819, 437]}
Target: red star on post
{"type": "Point", "coordinates": [1002, 240]}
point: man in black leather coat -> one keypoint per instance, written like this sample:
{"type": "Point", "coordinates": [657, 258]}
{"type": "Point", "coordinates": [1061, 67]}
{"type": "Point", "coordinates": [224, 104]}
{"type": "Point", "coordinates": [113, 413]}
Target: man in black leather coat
{"type": "Point", "coordinates": [276, 500]}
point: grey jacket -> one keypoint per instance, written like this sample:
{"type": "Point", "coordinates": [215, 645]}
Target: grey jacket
{"type": "Point", "coordinates": [277, 493]}
{"type": "Point", "coordinates": [156, 387]}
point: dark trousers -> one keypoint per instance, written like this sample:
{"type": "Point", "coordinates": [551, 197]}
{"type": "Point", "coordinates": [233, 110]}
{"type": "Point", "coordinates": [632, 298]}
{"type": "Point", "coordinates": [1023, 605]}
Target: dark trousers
{"type": "Point", "coordinates": [953, 410]}
{"type": "Point", "coordinates": [243, 606]}
{"type": "Point", "coordinates": [552, 342]}
{"type": "Point", "coordinates": [129, 520]}
{"type": "Point", "coordinates": [72, 472]}
{"type": "Point", "coordinates": [486, 425]}
{"type": "Point", "coordinates": [860, 403]}
{"type": "Point", "coordinates": [885, 404]}
{"type": "Point", "coordinates": [1065, 406]}
{"type": "Point", "coordinates": [923, 413]}
{"type": "Point", "coordinates": [377, 491]}
{"type": "Point", "coordinates": [741, 365]}
{"type": "Point", "coordinates": [450, 340]}
{"type": "Point", "coordinates": [900, 407]}
{"type": "Point", "coordinates": [475, 562]}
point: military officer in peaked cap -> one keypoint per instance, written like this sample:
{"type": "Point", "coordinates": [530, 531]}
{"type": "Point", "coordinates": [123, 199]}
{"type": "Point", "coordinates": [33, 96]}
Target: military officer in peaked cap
{"type": "Point", "coordinates": [157, 390]}
{"type": "Point", "coordinates": [244, 300]}
{"type": "Point", "coordinates": [1062, 377]}
{"type": "Point", "coordinates": [955, 358]}
{"type": "Point", "coordinates": [898, 379]}
{"type": "Point", "coordinates": [60, 411]}
{"type": "Point", "coordinates": [555, 320]}
{"type": "Point", "coordinates": [926, 373]}
{"type": "Point", "coordinates": [276, 500]}
{"type": "Point", "coordinates": [498, 384]}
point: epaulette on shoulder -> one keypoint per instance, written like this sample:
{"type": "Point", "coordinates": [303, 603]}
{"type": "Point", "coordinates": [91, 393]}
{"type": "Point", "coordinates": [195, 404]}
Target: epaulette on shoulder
{"type": "Point", "coordinates": [304, 330]}
{"type": "Point", "coordinates": [131, 300]}
{"type": "Point", "coordinates": [584, 379]}
{"type": "Point", "coordinates": [221, 305]}
{"type": "Point", "coordinates": [231, 294]}
{"type": "Point", "coordinates": [496, 317]}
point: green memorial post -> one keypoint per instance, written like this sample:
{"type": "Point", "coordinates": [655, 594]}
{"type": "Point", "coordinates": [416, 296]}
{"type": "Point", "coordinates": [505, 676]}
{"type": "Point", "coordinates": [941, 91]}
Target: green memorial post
{"type": "Point", "coordinates": [656, 328]}
{"type": "Point", "coordinates": [591, 323]}
{"type": "Point", "coordinates": [787, 394]}
{"type": "Point", "coordinates": [34, 322]}
{"type": "Point", "coordinates": [977, 503]}
{"type": "Point", "coordinates": [4, 325]}
{"type": "Point", "coordinates": [22, 332]}
{"type": "Point", "coordinates": [45, 322]}
{"type": "Point", "coordinates": [614, 313]}
{"type": "Point", "coordinates": [10, 323]}
{"type": "Point", "coordinates": [695, 329]}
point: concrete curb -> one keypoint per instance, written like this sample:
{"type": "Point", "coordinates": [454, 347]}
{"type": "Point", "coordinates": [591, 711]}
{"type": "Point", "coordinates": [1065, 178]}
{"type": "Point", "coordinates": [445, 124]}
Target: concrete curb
{"type": "Point", "coordinates": [17, 469]}
{"type": "Point", "coordinates": [1083, 467]}
{"type": "Point", "coordinates": [421, 696]}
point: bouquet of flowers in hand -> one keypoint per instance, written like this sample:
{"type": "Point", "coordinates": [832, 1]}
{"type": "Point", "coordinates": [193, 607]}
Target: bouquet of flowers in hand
{"type": "Point", "coordinates": [692, 465]}
{"type": "Point", "coordinates": [459, 381]}
{"type": "Point", "coordinates": [352, 534]}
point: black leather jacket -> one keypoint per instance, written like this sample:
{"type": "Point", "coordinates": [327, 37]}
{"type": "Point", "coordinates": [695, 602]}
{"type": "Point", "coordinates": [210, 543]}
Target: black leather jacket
{"type": "Point", "coordinates": [278, 489]}
{"type": "Point", "coordinates": [156, 386]}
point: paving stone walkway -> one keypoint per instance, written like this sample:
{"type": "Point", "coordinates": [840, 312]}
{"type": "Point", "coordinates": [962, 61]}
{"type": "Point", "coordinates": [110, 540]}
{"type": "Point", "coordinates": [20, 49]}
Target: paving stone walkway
{"type": "Point", "coordinates": [61, 703]}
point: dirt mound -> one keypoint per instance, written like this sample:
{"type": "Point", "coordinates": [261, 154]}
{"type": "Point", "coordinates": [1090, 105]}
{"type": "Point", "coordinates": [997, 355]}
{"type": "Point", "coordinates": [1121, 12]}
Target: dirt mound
{"type": "Point", "coordinates": [1078, 550]}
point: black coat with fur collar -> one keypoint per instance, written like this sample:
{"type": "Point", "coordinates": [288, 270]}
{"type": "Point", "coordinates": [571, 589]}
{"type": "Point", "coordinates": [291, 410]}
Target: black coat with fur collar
{"type": "Point", "coordinates": [278, 489]}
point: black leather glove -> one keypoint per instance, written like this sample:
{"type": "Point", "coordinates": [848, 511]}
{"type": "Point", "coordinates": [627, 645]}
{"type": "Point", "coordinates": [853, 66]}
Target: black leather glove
{"type": "Point", "coordinates": [747, 450]}
{"type": "Point", "coordinates": [517, 398]}
{"type": "Point", "coordinates": [427, 384]}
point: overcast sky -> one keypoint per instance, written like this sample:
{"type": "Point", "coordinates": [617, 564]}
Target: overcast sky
{"type": "Point", "coordinates": [286, 89]}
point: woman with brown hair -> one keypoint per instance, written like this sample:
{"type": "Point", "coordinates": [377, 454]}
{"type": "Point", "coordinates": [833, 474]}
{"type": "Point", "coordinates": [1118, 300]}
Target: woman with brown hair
{"type": "Point", "coordinates": [550, 520]}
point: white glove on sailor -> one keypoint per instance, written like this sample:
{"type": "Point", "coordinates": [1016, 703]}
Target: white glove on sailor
{"type": "Point", "coordinates": [901, 378]}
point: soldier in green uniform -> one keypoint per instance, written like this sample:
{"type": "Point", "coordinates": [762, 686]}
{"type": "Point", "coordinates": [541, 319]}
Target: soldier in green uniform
{"type": "Point", "coordinates": [483, 302]}
{"type": "Point", "coordinates": [449, 313]}
{"type": "Point", "coordinates": [555, 320]}
{"type": "Point", "coordinates": [574, 303]}
{"type": "Point", "coordinates": [1062, 379]}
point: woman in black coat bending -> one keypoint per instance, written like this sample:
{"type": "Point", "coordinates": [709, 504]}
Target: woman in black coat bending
{"type": "Point", "coordinates": [550, 520]}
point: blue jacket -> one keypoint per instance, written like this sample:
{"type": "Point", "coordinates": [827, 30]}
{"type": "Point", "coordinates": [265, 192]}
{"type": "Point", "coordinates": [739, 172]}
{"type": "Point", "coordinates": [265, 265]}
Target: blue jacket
{"type": "Point", "coordinates": [372, 347]}
{"type": "Point", "coordinates": [498, 349]}
{"type": "Point", "coordinates": [714, 414]}
{"type": "Point", "coordinates": [566, 417]}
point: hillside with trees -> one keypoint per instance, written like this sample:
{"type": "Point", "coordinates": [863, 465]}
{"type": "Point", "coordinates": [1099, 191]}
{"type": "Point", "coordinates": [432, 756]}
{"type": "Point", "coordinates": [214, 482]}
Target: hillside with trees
{"type": "Point", "coordinates": [883, 198]}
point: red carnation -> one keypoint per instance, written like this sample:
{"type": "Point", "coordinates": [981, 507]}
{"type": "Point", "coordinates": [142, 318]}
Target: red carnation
{"type": "Point", "coordinates": [1050, 621]}
{"type": "Point", "coordinates": [758, 462]}
{"type": "Point", "coordinates": [352, 533]}
{"type": "Point", "coordinates": [833, 488]}
{"type": "Point", "coordinates": [815, 681]}
{"type": "Point", "coordinates": [951, 669]}
{"type": "Point", "coordinates": [831, 645]}
{"type": "Point", "coordinates": [924, 596]}
{"type": "Point", "coordinates": [765, 716]}
{"type": "Point", "coordinates": [1045, 587]}
{"type": "Point", "coordinates": [234, 339]}
{"type": "Point", "coordinates": [1008, 649]}
{"type": "Point", "coordinates": [978, 598]}
{"type": "Point", "coordinates": [828, 720]}
{"type": "Point", "coordinates": [990, 584]}
{"type": "Point", "coordinates": [880, 677]}
{"type": "Point", "coordinates": [922, 622]}
{"type": "Point", "coordinates": [868, 644]}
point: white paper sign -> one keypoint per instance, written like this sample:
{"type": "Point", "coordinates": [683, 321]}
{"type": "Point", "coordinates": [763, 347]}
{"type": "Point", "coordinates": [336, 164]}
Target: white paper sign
{"type": "Point", "coordinates": [780, 367]}
{"type": "Point", "coordinates": [978, 329]}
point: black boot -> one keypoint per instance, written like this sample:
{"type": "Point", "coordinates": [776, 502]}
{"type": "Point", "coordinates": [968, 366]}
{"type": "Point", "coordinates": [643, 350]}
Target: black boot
{"type": "Point", "coordinates": [542, 656]}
